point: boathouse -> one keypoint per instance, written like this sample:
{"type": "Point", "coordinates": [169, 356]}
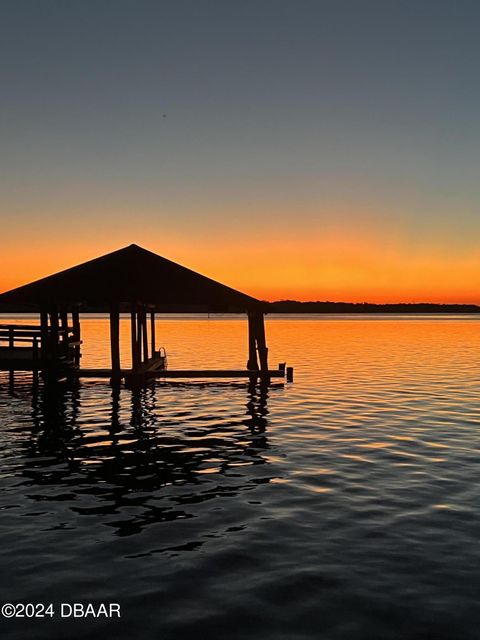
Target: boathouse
{"type": "Point", "coordinates": [131, 280]}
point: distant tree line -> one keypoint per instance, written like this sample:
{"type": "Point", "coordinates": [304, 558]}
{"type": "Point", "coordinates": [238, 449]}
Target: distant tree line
{"type": "Point", "coordinates": [293, 306]}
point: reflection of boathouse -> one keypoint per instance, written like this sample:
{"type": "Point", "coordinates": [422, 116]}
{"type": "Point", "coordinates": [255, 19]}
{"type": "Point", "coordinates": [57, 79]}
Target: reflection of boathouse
{"type": "Point", "coordinates": [131, 280]}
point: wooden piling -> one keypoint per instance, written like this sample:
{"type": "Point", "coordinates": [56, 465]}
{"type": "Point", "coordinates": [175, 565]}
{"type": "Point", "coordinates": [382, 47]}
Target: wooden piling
{"type": "Point", "coordinates": [252, 363]}
{"type": "Point", "coordinates": [115, 339]}
{"type": "Point", "coordinates": [135, 350]}
{"type": "Point", "coordinates": [139, 335]}
{"type": "Point", "coordinates": [44, 342]}
{"type": "Point", "coordinates": [64, 327]}
{"type": "Point", "coordinates": [76, 334]}
{"type": "Point", "coordinates": [152, 332]}
{"type": "Point", "coordinates": [144, 334]}
{"type": "Point", "coordinates": [36, 363]}
{"type": "Point", "coordinates": [54, 331]}
{"type": "Point", "coordinates": [261, 342]}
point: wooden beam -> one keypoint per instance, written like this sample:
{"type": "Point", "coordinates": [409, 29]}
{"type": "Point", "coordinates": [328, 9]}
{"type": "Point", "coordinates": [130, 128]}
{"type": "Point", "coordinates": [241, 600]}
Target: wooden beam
{"type": "Point", "coordinates": [115, 339]}
{"type": "Point", "coordinates": [214, 373]}
{"type": "Point", "coordinates": [186, 373]}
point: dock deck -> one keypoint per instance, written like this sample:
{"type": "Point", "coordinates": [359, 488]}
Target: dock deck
{"type": "Point", "coordinates": [185, 373]}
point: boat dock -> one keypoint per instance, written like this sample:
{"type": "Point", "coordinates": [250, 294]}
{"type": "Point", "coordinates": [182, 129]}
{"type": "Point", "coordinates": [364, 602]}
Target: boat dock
{"type": "Point", "coordinates": [133, 281]}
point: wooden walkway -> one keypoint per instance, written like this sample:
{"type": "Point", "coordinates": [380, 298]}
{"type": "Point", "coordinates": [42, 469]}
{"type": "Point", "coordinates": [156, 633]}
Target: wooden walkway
{"type": "Point", "coordinates": [185, 373]}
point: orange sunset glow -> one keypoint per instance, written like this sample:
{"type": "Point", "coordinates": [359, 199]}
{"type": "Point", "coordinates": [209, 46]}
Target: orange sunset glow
{"type": "Point", "coordinates": [324, 267]}
{"type": "Point", "coordinates": [300, 187]}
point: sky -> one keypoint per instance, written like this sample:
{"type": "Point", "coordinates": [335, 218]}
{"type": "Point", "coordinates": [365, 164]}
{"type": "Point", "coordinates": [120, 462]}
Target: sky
{"type": "Point", "coordinates": [301, 149]}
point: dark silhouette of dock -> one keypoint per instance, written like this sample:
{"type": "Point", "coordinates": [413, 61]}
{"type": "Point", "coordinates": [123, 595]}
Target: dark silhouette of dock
{"type": "Point", "coordinates": [131, 280]}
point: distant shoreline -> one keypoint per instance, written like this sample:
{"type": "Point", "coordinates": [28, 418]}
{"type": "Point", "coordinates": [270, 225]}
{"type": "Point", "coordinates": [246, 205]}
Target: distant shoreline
{"type": "Point", "coordinates": [295, 307]}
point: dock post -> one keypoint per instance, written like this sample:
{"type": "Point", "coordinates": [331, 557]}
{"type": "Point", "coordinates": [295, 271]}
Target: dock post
{"type": "Point", "coordinates": [139, 335]}
{"type": "Point", "coordinates": [76, 334]}
{"type": "Point", "coordinates": [44, 346]}
{"type": "Point", "coordinates": [135, 349]}
{"type": "Point", "coordinates": [11, 344]}
{"type": "Point", "coordinates": [64, 329]}
{"type": "Point", "coordinates": [54, 330]}
{"type": "Point", "coordinates": [115, 341]}
{"type": "Point", "coordinates": [35, 361]}
{"type": "Point", "coordinates": [289, 374]}
{"type": "Point", "coordinates": [152, 331]}
{"type": "Point", "coordinates": [261, 342]}
{"type": "Point", "coordinates": [252, 363]}
{"type": "Point", "coordinates": [144, 334]}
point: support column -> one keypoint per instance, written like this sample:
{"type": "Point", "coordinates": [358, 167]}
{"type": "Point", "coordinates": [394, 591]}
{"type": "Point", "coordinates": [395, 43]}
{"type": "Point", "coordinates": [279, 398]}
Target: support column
{"type": "Point", "coordinates": [44, 341]}
{"type": "Point", "coordinates": [64, 327]}
{"type": "Point", "coordinates": [252, 363]}
{"type": "Point", "coordinates": [139, 334]}
{"type": "Point", "coordinates": [54, 331]}
{"type": "Point", "coordinates": [144, 334]}
{"type": "Point", "coordinates": [76, 334]}
{"type": "Point", "coordinates": [115, 340]}
{"type": "Point", "coordinates": [261, 342]}
{"type": "Point", "coordinates": [35, 359]}
{"type": "Point", "coordinates": [152, 332]}
{"type": "Point", "coordinates": [135, 349]}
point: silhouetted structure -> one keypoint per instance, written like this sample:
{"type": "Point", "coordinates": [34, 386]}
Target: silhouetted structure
{"type": "Point", "coordinates": [131, 280]}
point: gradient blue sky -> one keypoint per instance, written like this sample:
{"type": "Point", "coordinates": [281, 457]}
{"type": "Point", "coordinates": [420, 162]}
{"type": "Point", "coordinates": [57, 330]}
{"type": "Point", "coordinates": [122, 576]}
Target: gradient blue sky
{"type": "Point", "coordinates": [309, 149]}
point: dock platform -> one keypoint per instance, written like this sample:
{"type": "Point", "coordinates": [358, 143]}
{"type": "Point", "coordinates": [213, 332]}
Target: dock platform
{"type": "Point", "coordinates": [184, 373]}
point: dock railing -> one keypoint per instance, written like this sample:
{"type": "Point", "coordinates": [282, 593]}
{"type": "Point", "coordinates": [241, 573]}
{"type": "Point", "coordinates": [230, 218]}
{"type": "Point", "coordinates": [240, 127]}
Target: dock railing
{"type": "Point", "coordinates": [30, 345]}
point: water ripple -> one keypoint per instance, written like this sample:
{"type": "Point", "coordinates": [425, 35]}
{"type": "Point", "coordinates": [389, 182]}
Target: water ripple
{"type": "Point", "coordinates": [342, 506]}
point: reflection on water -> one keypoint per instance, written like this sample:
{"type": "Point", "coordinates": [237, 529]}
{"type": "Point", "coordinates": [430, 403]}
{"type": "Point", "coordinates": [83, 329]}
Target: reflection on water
{"type": "Point", "coordinates": [344, 505]}
{"type": "Point", "coordinates": [141, 449]}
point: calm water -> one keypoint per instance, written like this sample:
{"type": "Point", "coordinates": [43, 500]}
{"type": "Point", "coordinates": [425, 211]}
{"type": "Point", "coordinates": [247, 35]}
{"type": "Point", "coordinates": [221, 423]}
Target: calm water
{"type": "Point", "coordinates": [343, 506]}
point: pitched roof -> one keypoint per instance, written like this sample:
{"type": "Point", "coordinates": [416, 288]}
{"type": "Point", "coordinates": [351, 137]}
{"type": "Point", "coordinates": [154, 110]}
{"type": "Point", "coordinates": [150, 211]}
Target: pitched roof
{"type": "Point", "coordinates": [131, 274]}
